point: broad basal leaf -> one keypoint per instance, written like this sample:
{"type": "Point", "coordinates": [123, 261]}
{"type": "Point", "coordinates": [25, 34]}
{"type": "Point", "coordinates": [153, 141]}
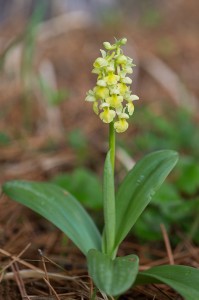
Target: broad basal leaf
{"type": "Point", "coordinates": [60, 208]}
{"type": "Point", "coordinates": [139, 186]}
{"type": "Point", "coordinates": [112, 277]}
{"type": "Point", "coordinates": [183, 279]}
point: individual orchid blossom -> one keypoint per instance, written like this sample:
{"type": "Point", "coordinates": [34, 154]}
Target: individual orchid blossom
{"type": "Point", "coordinates": [112, 98]}
{"type": "Point", "coordinates": [108, 114]}
{"type": "Point", "coordinates": [121, 125]}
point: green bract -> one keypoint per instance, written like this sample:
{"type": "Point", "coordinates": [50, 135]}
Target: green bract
{"type": "Point", "coordinates": [111, 97]}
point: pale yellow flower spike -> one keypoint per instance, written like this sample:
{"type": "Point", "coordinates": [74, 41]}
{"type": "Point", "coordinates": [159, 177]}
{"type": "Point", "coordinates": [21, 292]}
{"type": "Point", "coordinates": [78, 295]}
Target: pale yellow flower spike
{"type": "Point", "coordinates": [112, 98]}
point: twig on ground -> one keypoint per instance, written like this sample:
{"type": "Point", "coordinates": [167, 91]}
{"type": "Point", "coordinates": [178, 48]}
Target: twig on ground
{"type": "Point", "coordinates": [167, 244]}
{"type": "Point", "coordinates": [177, 257]}
{"type": "Point", "coordinates": [45, 270]}
{"type": "Point", "coordinates": [34, 272]}
{"type": "Point", "coordinates": [38, 274]}
{"type": "Point", "coordinates": [162, 291]}
{"type": "Point", "coordinates": [14, 259]}
{"type": "Point", "coordinates": [189, 246]}
{"type": "Point", "coordinates": [19, 281]}
{"type": "Point", "coordinates": [51, 288]}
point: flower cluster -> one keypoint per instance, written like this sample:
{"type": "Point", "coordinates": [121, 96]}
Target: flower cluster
{"type": "Point", "coordinates": [112, 98]}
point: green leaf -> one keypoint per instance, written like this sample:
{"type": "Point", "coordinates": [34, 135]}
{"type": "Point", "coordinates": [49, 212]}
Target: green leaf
{"type": "Point", "coordinates": [183, 279]}
{"type": "Point", "coordinates": [112, 277]}
{"type": "Point", "coordinates": [109, 206]}
{"type": "Point", "coordinates": [139, 186]}
{"type": "Point", "coordinates": [60, 208]}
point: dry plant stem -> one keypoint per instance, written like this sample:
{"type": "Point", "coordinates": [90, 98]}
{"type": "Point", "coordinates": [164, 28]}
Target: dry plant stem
{"type": "Point", "coordinates": [189, 246]}
{"type": "Point", "coordinates": [33, 273]}
{"type": "Point", "coordinates": [167, 244]}
{"type": "Point", "coordinates": [51, 288]}
{"type": "Point", "coordinates": [15, 259]}
{"type": "Point", "coordinates": [19, 281]}
{"type": "Point", "coordinates": [47, 259]}
{"type": "Point", "coordinates": [162, 291]}
{"type": "Point", "coordinates": [37, 274]}
{"type": "Point", "coordinates": [45, 270]}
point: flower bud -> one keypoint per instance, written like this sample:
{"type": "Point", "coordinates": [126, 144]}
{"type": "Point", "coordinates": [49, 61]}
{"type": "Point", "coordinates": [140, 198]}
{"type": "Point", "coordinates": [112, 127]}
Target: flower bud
{"type": "Point", "coordinates": [126, 80]}
{"type": "Point", "coordinates": [122, 59]}
{"type": "Point", "coordinates": [132, 98]}
{"type": "Point", "coordinates": [123, 41]}
{"type": "Point", "coordinates": [100, 62]}
{"type": "Point", "coordinates": [108, 46]}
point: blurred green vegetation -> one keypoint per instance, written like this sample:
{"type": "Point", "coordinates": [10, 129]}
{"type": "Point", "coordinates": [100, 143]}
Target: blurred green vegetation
{"type": "Point", "coordinates": [84, 184]}
{"type": "Point", "coordinates": [78, 142]}
{"type": "Point", "coordinates": [176, 204]}
{"type": "Point", "coordinates": [53, 96]}
{"type": "Point", "coordinates": [4, 139]}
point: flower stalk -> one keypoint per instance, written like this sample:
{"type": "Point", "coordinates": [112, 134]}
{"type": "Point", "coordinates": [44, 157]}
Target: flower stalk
{"type": "Point", "coordinates": [112, 100]}
{"type": "Point", "coordinates": [112, 144]}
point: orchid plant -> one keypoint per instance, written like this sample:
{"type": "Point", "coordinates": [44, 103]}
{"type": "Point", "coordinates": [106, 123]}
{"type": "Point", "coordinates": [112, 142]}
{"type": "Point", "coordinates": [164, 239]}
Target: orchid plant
{"type": "Point", "coordinates": [113, 101]}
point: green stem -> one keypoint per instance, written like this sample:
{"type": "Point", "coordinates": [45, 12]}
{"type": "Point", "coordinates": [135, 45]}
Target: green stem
{"type": "Point", "coordinates": [112, 144]}
{"type": "Point", "coordinates": [109, 196]}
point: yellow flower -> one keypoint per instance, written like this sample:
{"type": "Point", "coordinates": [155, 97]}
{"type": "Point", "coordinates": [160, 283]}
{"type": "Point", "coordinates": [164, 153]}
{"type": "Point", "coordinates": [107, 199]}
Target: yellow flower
{"type": "Point", "coordinates": [101, 82]}
{"type": "Point", "coordinates": [132, 97]}
{"type": "Point", "coordinates": [122, 59]}
{"type": "Point", "coordinates": [111, 78]}
{"type": "Point", "coordinates": [100, 62]}
{"type": "Point", "coordinates": [112, 97]}
{"type": "Point", "coordinates": [108, 114]}
{"type": "Point", "coordinates": [126, 80]}
{"type": "Point", "coordinates": [123, 88]}
{"type": "Point", "coordinates": [95, 107]}
{"type": "Point", "coordinates": [130, 107]}
{"type": "Point", "coordinates": [90, 96]}
{"type": "Point", "coordinates": [115, 101]}
{"type": "Point", "coordinates": [101, 92]}
{"type": "Point", "coordinates": [121, 125]}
